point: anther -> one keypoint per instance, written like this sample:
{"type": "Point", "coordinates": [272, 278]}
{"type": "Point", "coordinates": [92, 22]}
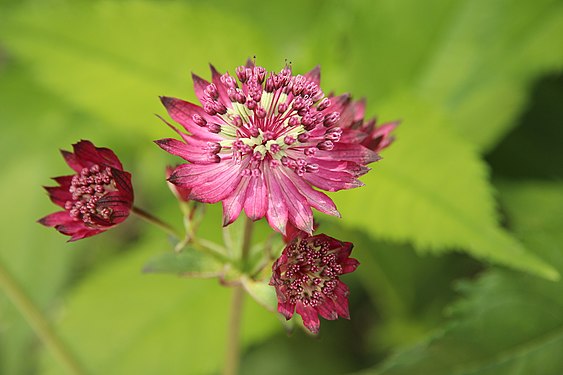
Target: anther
{"type": "Point", "coordinates": [198, 120]}
{"type": "Point", "coordinates": [324, 104]}
{"type": "Point", "coordinates": [325, 145]}
{"type": "Point", "coordinates": [331, 119]}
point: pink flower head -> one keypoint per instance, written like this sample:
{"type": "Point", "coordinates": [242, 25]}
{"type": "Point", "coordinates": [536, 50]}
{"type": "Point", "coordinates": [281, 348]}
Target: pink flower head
{"type": "Point", "coordinates": [97, 197]}
{"type": "Point", "coordinates": [262, 143]}
{"type": "Point", "coordinates": [307, 279]}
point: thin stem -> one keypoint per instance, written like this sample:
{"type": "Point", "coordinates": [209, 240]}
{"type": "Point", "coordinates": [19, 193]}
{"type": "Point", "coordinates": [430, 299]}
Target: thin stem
{"type": "Point", "coordinates": [38, 323]}
{"type": "Point", "coordinates": [156, 221]}
{"type": "Point", "coordinates": [232, 357]}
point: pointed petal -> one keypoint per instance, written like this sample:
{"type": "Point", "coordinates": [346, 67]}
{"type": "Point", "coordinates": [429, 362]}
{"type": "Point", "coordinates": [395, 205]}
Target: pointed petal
{"type": "Point", "coordinates": [299, 211]}
{"type": "Point", "coordinates": [216, 79]}
{"type": "Point", "coordinates": [327, 309]}
{"type": "Point", "coordinates": [350, 152]}
{"type": "Point", "coordinates": [58, 195]}
{"type": "Point", "coordinates": [286, 309]}
{"type": "Point", "coordinates": [57, 218]}
{"type": "Point", "coordinates": [316, 199]}
{"type": "Point", "coordinates": [310, 317]}
{"type": "Point", "coordinates": [232, 205]}
{"type": "Point", "coordinates": [341, 300]}
{"type": "Point", "coordinates": [332, 181]}
{"type": "Point", "coordinates": [88, 154]}
{"type": "Point", "coordinates": [194, 153]}
{"type": "Point", "coordinates": [256, 203]}
{"type": "Point", "coordinates": [72, 161]}
{"type": "Point", "coordinates": [315, 75]}
{"type": "Point", "coordinates": [277, 213]}
{"type": "Point", "coordinates": [199, 86]}
{"type": "Point", "coordinates": [209, 183]}
{"type": "Point", "coordinates": [182, 112]}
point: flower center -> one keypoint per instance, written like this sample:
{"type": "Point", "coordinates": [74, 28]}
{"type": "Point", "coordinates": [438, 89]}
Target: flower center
{"type": "Point", "coordinates": [279, 119]}
{"type": "Point", "coordinates": [87, 188]}
{"type": "Point", "coordinates": [312, 272]}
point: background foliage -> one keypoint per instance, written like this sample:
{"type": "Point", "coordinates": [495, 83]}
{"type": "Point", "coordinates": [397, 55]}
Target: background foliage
{"type": "Point", "coordinates": [458, 229]}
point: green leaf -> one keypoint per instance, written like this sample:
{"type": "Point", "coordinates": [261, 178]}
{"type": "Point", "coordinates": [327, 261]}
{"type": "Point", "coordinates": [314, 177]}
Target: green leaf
{"type": "Point", "coordinates": [262, 293]}
{"type": "Point", "coordinates": [431, 188]}
{"type": "Point", "coordinates": [189, 262]}
{"type": "Point", "coordinates": [158, 323]}
{"type": "Point", "coordinates": [114, 59]}
{"type": "Point", "coordinates": [508, 322]}
{"type": "Point", "coordinates": [472, 59]}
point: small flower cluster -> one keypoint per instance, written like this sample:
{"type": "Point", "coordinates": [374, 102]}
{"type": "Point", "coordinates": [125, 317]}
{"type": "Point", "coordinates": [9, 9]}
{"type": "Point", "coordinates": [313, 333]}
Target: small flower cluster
{"type": "Point", "coordinates": [97, 197]}
{"type": "Point", "coordinates": [262, 142]}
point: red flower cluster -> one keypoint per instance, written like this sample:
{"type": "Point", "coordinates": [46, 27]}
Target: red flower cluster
{"type": "Point", "coordinates": [97, 197]}
{"type": "Point", "coordinates": [307, 279]}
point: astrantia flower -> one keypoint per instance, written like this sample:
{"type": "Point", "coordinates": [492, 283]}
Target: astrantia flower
{"type": "Point", "coordinates": [263, 143]}
{"type": "Point", "coordinates": [97, 197]}
{"type": "Point", "coordinates": [307, 279]}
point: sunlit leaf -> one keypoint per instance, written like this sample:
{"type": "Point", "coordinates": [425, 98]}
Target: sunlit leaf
{"type": "Point", "coordinates": [431, 188]}
{"type": "Point", "coordinates": [508, 322]}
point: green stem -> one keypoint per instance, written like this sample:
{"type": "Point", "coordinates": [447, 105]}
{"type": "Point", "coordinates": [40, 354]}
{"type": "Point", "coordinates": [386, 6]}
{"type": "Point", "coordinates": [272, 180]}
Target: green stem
{"type": "Point", "coordinates": [38, 322]}
{"type": "Point", "coordinates": [156, 221]}
{"type": "Point", "coordinates": [232, 357]}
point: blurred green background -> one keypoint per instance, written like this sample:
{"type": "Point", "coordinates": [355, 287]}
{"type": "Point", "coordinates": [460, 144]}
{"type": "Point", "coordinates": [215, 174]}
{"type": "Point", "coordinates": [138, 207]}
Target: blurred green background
{"type": "Point", "coordinates": [458, 229]}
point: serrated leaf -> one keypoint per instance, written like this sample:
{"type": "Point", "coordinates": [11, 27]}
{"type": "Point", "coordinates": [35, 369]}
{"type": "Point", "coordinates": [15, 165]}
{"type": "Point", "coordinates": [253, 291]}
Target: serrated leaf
{"type": "Point", "coordinates": [431, 188]}
{"type": "Point", "coordinates": [189, 262]}
{"type": "Point", "coordinates": [474, 60]}
{"type": "Point", "coordinates": [508, 322]}
{"type": "Point", "coordinates": [158, 323]}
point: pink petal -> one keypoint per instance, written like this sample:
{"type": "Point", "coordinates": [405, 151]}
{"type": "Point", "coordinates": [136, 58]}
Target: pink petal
{"type": "Point", "coordinates": [277, 212]}
{"type": "Point", "coordinates": [310, 317]}
{"type": "Point", "coordinates": [190, 153]}
{"type": "Point", "coordinates": [349, 265]}
{"type": "Point", "coordinates": [72, 161]}
{"type": "Point", "coordinates": [216, 79]}
{"type": "Point", "coordinates": [57, 218]}
{"type": "Point", "coordinates": [327, 309]}
{"type": "Point", "coordinates": [315, 75]}
{"type": "Point", "coordinates": [316, 199]}
{"type": "Point", "coordinates": [299, 210]}
{"type": "Point", "coordinates": [209, 183]}
{"type": "Point", "coordinates": [88, 154]}
{"type": "Point", "coordinates": [332, 181]}
{"type": "Point", "coordinates": [341, 301]}
{"type": "Point", "coordinates": [232, 205]}
{"type": "Point", "coordinates": [58, 195]}
{"type": "Point", "coordinates": [199, 87]}
{"type": "Point", "coordinates": [286, 309]}
{"type": "Point", "coordinates": [182, 112]}
{"type": "Point", "coordinates": [256, 203]}
{"type": "Point", "coordinates": [350, 152]}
